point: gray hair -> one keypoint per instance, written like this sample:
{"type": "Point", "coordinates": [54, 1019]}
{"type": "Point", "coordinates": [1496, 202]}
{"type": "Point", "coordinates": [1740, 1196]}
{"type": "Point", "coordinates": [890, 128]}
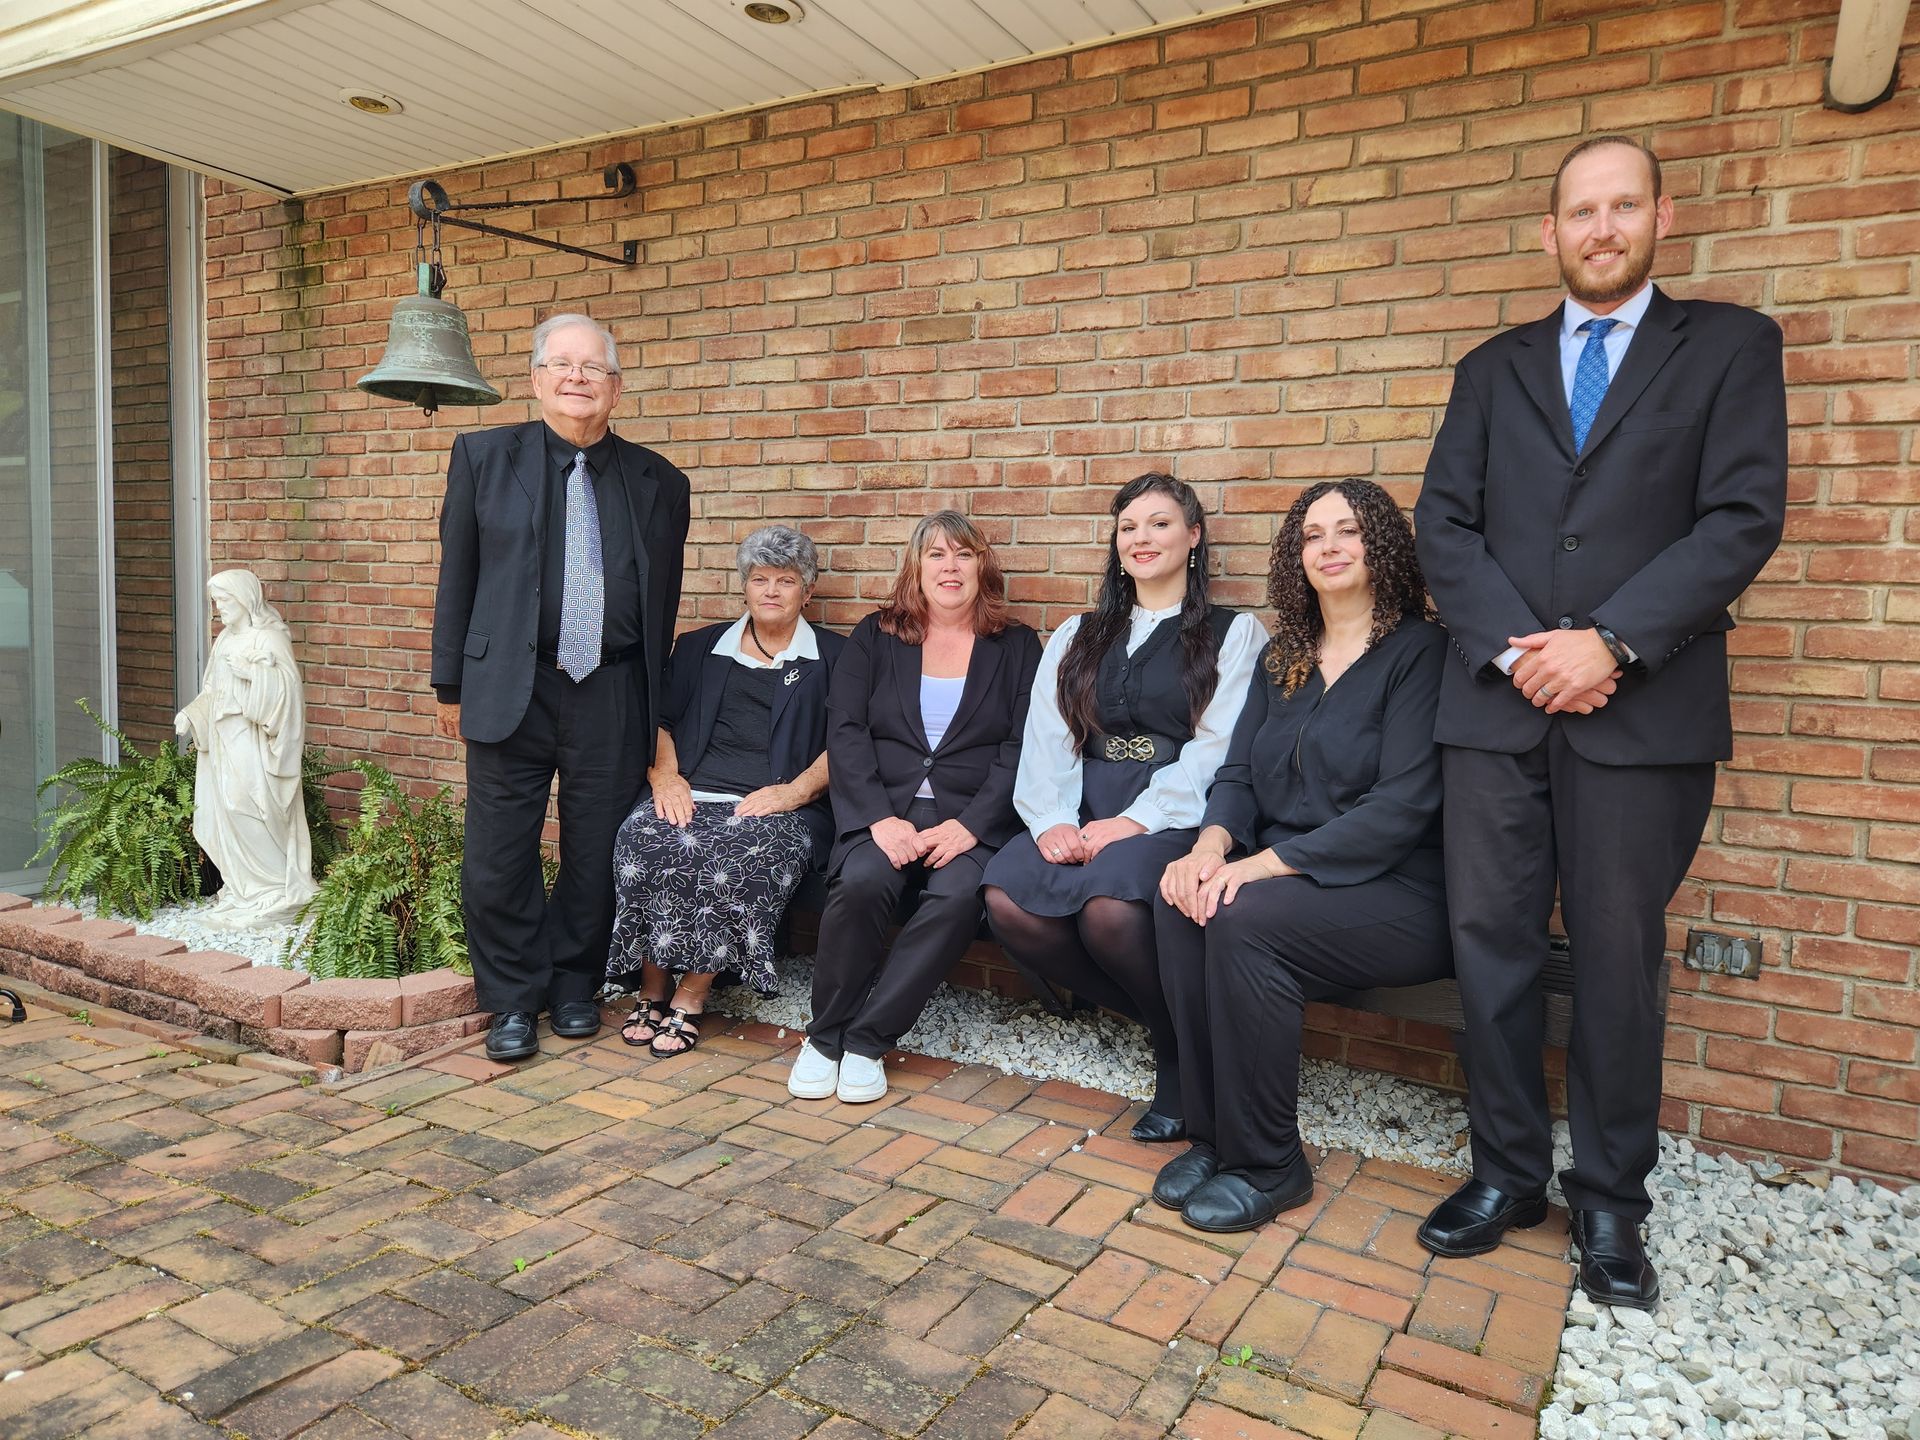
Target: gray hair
{"type": "Point", "coordinates": [544, 331]}
{"type": "Point", "coordinates": [779, 547]}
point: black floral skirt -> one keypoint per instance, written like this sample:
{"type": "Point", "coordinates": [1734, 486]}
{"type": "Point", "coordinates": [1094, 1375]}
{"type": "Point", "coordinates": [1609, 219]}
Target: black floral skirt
{"type": "Point", "coordinates": [705, 898]}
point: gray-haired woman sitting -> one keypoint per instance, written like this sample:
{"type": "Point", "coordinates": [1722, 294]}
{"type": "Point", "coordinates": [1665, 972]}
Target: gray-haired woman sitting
{"type": "Point", "coordinates": [704, 865]}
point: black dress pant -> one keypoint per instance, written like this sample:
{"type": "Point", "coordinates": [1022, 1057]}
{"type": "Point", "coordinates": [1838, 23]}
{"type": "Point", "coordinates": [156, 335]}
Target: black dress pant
{"type": "Point", "coordinates": [1238, 987]}
{"type": "Point", "coordinates": [531, 952]}
{"type": "Point", "coordinates": [1620, 839]}
{"type": "Point", "coordinates": [865, 997]}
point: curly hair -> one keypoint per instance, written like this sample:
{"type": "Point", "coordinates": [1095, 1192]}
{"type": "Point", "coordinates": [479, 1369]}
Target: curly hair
{"type": "Point", "coordinates": [1106, 625]}
{"type": "Point", "coordinates": [1399, 589]}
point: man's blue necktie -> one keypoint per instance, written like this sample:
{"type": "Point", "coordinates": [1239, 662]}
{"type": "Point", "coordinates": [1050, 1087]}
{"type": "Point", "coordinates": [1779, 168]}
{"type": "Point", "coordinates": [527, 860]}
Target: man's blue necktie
{"type": "Point", "coordinates": [583, 603]}
{"type": "Point", "coordinates": [1589, 381]}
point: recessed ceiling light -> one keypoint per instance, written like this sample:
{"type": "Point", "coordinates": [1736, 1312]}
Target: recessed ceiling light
{"type": "Point", "coordinates": [369, 102]}
{"type": "Point", "coordinates": [768, 13]}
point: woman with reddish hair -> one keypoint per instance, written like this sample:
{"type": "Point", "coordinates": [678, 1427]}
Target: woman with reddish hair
{"type": "Point", "coordinates": [923, 740]}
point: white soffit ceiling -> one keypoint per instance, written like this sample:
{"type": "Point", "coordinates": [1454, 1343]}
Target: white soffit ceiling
{"type": "Point", "coordinates": [251, 89]}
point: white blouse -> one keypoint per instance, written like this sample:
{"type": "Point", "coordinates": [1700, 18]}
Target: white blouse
{"type": "Point", "coordinates": [1046, 789]}
{"type": "Point", "coordinates": [939, 703]}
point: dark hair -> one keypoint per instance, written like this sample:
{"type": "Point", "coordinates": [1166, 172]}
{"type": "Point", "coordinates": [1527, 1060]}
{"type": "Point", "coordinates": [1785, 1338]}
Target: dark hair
{"type": "Point", "coordinates": [1653, 164]}
{"type": "Point", "coordinates": [1399, 590]}
{"type": "Point", "coordinates": [904, 616]}
{"type": "Point", "coordinates": [1107, 625]}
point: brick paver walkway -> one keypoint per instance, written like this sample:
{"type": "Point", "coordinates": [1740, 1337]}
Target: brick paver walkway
{"type": "Point", "coordinates": [601, 1244]}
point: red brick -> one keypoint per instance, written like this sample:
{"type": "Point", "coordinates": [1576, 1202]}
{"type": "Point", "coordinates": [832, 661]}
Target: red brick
{"type": "Point", "coordinates": [408, 1040]}
{"type": "Point", "coordinates": [343, 1005]}
{"type": "Point", "coordinates": [180, 975]}
{"type": "Point", "coordinates": [124, 962]}
{"type": "Point", "coordinates": [435, 995]}
{"type": "Point", "coordinates": [251, 996]}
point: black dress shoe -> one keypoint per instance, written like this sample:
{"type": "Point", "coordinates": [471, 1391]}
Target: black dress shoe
{"type": "Point", "coordinates": [1614, 1269]}
{"type": "Point", "coordinates": [575, 1019]}
{"type": "Point", "coordinates": [1229, 1202]}
{"type": "Point", "coordinates": [1472, 1219]}
{"type": "Point", "coordinates": [1153, 1128]}
{"type": "Point", "coordinates": [1183, 1175]}
{"type": "Point", "coordinates": [512, 1036]}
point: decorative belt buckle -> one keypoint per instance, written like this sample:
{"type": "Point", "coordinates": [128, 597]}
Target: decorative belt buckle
{"type": "Point", "coordinates": [1132, 747]}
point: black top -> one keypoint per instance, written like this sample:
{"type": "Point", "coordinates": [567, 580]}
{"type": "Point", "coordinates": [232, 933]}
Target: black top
{"type": "Point", "coordinates": [736, 758]}
{"type": "Point", "coordinates": [621, 628]}
{"type": "Point", "coordinates": [698, 683]}
{"type": "Point", "coordinates": [1140, 694]}
{"type": "Point", "coordinates": [1342, 782]}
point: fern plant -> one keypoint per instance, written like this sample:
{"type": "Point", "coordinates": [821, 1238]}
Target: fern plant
{"type": "Point", "coordinates": [390, 902]}
{"type": "Point", "coordinates": [124, 835]}
{"type": "Point", "coordinates": [322, 829]}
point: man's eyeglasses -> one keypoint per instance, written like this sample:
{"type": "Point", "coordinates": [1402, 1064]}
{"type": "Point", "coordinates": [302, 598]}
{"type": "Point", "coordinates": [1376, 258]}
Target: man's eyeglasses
{"type": "Point", "coordinates": [561, 369]}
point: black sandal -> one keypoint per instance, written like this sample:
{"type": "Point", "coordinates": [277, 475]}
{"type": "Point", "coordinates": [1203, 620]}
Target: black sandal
{"type": "Point", "coordinates": [678, 1026]}
{"type": "Point", "coordinates": [649, 1012]}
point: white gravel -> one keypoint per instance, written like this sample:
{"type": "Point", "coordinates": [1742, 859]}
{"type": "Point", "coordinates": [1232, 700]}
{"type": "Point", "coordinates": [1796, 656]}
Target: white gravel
{"type": "Point", "coordinates": [1339, 1107]}
{"type": "Point", "coordinates": [189, 925]}
{"type": "Point", "coordinates": [1790, 1309]}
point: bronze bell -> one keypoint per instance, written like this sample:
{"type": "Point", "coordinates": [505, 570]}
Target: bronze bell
{"type": "Point", "coordinates": [429, 359]}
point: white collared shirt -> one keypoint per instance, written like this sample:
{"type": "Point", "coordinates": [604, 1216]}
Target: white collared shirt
{"type": "Point", "coordinates": [802, 646]}
{"type": "Point", "coordinates": [1046, 788]}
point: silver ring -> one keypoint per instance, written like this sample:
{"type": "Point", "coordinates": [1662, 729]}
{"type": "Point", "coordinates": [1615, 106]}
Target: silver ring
{"type": "Point", "coordinates": [1545, 693]}
{"type": "Point", "coordinates": [1054, 851]}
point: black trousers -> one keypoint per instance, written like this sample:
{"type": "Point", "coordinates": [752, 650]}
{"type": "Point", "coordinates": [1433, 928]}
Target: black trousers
{"type": "Point", "coordinates": [1620, 839]}
{"type": "Point", "coordinates": [531, 952]}
{"type": "Point", "coordinates": [865, 998]}
{"type": "Point", "coordinates": [1238, 987]}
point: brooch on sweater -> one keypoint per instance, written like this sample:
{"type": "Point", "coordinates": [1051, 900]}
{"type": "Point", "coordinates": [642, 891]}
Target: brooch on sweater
{"type": "Point", "coordinates": [792, 675]}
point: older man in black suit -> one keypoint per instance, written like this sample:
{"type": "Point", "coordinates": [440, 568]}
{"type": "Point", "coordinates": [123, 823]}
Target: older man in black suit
{"type": "Point", "coordinates": [1606, 482]}
{"type": "Point", "coordinates": [561, 554]}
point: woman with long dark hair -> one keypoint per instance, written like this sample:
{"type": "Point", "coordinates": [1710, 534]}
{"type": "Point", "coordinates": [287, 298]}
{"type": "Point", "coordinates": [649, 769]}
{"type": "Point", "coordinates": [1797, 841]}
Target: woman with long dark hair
{"type": "Point", "coordinates": [1317, 867]}
{"type": "Point", "coordinates": [1132, 708]}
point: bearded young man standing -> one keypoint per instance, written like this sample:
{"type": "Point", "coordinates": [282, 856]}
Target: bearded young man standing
{"type": "Point", "coordinates": [1606, 482]}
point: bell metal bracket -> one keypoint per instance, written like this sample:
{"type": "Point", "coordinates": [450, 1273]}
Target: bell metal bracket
{"type": "Point", "coordinates": [428, 201]}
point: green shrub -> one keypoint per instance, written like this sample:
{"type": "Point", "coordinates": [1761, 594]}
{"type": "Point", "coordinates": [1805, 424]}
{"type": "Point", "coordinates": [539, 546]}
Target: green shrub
{"type": "Point", "coordinates": [390, 902]}
{"type": "Point", "coordinates": [124, 835]}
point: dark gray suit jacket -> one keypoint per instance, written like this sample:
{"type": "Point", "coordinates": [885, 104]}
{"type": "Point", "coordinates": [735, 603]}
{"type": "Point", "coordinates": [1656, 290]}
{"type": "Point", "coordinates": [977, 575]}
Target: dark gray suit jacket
{"type": "Point", "coordinates": [486, 610]}
{"type": "Point", "coordinates": [1652, 530]}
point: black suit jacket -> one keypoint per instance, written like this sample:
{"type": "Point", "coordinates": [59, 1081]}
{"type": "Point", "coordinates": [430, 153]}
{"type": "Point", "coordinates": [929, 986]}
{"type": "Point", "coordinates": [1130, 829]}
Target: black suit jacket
{"type": "Point", "coordinates": [877, 751]}
{"type": "Point", "coordinates": [486, 610]}
{"type": "Point", "coordinates": [696, 684]}
{"type": "Point", "coordinates": [1653, 529]}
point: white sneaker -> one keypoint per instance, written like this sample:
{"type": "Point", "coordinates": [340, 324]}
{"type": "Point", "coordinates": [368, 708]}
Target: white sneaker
{"type": "Point", "coordinates": [813, 1076]}
{"type": "Point", "coordinates": [861, 1079]}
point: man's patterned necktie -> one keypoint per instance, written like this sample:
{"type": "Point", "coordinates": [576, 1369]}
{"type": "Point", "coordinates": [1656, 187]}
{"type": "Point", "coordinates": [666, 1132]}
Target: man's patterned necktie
{"type": "Point", "coordinates": [1589, 381]}
{"type": "Point", "coordinates": [583, 601]}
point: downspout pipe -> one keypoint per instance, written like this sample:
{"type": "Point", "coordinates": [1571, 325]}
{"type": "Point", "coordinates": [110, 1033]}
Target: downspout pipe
{"type": "Point", "coordinates": [1864, 71]}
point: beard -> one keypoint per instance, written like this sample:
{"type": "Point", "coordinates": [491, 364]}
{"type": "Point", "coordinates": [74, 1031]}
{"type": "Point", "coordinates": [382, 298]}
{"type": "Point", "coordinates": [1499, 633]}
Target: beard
{"type": "Point", "coordinates": [1591, 291]}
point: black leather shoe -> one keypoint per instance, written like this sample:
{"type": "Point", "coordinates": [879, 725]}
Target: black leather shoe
{"type": "Point", "coordinates": [575, 1019]}
{"type": "Point", "coordinates": [512, 1036]}
{"type": "Point", "coordinates": [1614, 1269]}
{"type": "Point", "coordinates": [1229, 1202]}
{"type": "Point", "coordinates": [1153, 1128]}
{"type": "Point", "coordinates": [1183, 1175]}
{"type": "Point", "coordinates": [1472, 1219]}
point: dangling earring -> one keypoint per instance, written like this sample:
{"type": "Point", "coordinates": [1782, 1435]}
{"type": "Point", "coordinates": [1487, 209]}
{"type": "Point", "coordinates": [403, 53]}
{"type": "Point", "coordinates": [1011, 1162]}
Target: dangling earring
{"type": "Point", "coordinates": [1189, 559]}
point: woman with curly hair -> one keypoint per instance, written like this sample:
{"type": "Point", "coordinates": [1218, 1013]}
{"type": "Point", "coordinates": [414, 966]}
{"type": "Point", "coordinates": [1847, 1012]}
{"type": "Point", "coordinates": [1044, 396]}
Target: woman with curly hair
{"type": "Point", "coordinates": [1131, 713]}
{"type": "Point", "coordinates": [1317, 868]}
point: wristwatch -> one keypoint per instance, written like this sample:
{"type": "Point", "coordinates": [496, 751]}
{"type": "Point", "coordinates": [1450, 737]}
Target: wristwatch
{"type": "Point", "coordinates": [1616, 647]}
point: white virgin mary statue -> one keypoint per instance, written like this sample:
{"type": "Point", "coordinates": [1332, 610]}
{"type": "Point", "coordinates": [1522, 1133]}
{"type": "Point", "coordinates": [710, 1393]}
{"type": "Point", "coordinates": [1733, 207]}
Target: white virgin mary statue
{"type": "Point", "coordinates": [249, 724]}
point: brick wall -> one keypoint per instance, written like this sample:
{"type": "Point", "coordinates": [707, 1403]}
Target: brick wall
{"type": "Point", "coordinates": [1250, 251]}
{"type": "Point", "coordinates": [142, 458]}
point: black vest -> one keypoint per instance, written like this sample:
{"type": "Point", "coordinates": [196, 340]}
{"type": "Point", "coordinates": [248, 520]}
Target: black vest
{"type": "Point", "coordinates": [1140, 694]}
